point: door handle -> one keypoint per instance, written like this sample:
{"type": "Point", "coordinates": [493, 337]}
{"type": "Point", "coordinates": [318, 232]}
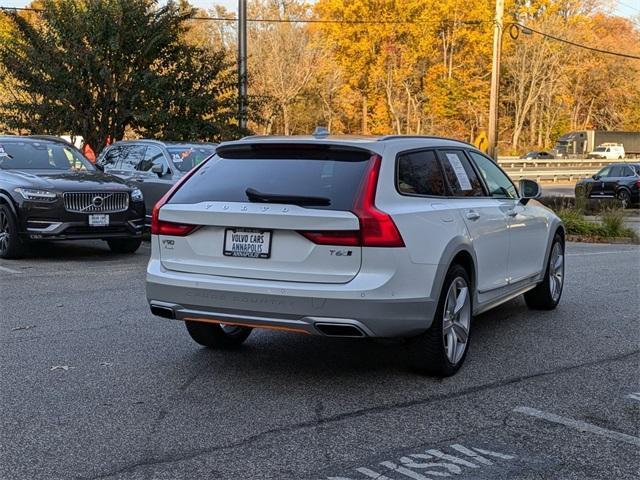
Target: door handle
{"type": "Point", "coordinates": [512, 213]}
{"type": "Point", "coordinates": [473, 215]}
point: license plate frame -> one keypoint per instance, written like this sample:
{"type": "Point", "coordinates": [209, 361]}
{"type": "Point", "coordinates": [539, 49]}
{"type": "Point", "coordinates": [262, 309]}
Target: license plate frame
{"type": "Point", "coordinates": [98, 220]}
{"type": "Point", "coordinates": [247, 252]}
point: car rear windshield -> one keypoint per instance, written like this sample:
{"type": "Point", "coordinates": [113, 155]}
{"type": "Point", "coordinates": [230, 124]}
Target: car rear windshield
{"type": "Point", "coordinates": [185, 157]}
{"type": "Point", "coordinates": [333, 175]}
{"type": "Point", "coordinates": [29, 155]}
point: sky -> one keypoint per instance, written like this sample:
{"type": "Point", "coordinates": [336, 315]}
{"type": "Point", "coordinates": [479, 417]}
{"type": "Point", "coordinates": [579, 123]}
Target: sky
{"type": "Point", "coordinates": [204, 4]}
{"type": "Point", "coordinates": [624, 8]}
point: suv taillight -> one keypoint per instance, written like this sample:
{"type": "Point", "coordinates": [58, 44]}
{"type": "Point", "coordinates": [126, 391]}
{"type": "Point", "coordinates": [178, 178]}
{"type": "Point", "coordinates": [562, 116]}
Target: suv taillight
{"type": "Point", "coordinates": [377, 228]}
{"type": "Point", "coordinates": [161, 227]}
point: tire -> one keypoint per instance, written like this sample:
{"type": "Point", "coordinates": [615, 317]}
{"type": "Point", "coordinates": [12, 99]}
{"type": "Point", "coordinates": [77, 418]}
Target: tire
{"type": "Point", "coordinates": [11, 245]}
{"type": "Point", "coordinates": [624, 196]}
{"type": "Point", "coordinates": [216, 336]}
{"type": "Point", "coordinates": [430, 352]}
{"type": "Point", "coordinates": [547, 294]}
{"type": "Point", "coordinates": [124, 245]}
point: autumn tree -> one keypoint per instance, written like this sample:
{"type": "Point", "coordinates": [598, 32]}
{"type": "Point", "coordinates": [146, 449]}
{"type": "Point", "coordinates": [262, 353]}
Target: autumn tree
{"type": "Point", "coordinates": [97, 67]}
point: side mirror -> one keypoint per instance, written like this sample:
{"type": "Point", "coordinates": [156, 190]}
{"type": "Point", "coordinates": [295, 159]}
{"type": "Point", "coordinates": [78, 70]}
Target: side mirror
{"type": "Point", "coordinates": [99, 166]}
{"type": "Point", "coordinates": [158, 170]}
{"type": "Point", "coordinates": [529, 189]}
{"type": "Point", "coordinates": [595, 176]}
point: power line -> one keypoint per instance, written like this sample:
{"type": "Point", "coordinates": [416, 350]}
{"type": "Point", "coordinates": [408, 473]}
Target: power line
{"type": "Point", "coordinates": [311, 20]}
{"type": "Point", "coordinates": [628, 6]}
{"type": "Point", "coordinates": [298, 20]}
{"type": "Point", "coordinates": [579, 45]}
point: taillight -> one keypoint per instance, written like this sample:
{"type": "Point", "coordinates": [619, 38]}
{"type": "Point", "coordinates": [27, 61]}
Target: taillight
{"type": "Point", "coordinates": [172, 229]}
{"type": "Point", "coordinates": [159, 227]}
{"type": "Point", "coordinates": [377, 229]}
{"type": "Point", "coordinates": [638, 183]}
{"type": "Point", "coordinates": [342, 238]}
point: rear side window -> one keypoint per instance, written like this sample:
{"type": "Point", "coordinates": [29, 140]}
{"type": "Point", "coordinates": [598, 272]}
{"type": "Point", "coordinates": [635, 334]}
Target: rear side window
{"type": "Point", "coordinates": [302, 171]}
{"type": "Point", "coordinates": [419, 173]}
{"type": "Point", "coordinates": [617, 171]}
{"type": "Point", "coordinates": [627, 171]}
{"type": "Point", "coordinates": [460, 175]}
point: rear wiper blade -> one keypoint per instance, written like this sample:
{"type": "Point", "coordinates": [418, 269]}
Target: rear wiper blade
{"type": "Point", "coordinates": [260, 197]}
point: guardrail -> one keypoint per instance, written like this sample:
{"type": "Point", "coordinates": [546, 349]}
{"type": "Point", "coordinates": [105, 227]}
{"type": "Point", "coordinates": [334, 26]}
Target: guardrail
{"type": "Point", "coordinates": [567, 170]}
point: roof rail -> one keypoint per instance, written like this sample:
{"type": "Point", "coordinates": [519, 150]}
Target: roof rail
{"type": "Point", "coordinates": [434, 137]}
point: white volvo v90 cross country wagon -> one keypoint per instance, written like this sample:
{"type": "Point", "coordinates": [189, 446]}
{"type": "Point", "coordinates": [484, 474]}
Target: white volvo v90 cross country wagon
{"type": "Point", "coordinates": [351, 237]}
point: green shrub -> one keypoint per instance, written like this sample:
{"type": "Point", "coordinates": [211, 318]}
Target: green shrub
{"type": "Point", "coordinates": [613, 223]}
{"type": "Point", "coordinates": [576, 224]}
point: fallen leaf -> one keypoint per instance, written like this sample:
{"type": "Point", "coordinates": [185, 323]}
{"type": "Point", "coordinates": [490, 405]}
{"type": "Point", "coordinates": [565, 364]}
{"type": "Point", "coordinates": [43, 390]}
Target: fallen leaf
{"type": "Point", "coordinates": [106, 364]}
{"type": "Point", "coordinates": [61, 367]}
{"type": "Point", "coordinates": [24, 327]}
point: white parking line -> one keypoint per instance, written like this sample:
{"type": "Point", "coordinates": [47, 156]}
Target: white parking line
{"type": "Point", "coordinates": [634, 396]}
{"type": "Point", "coordinates": [579, 425]}
{"type": "Point", "coordinates": [617, 252]}
{"type": "Point", "coordinates": [8, 270]}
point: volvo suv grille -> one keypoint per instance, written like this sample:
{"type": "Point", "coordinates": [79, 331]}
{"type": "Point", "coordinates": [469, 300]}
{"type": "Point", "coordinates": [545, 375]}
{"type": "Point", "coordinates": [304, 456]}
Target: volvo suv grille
{"type": "Point", "coordinates": [89, 202]}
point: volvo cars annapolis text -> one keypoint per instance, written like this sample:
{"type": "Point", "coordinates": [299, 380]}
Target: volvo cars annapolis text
{"type": "Point", "coordinates": [351, 237]}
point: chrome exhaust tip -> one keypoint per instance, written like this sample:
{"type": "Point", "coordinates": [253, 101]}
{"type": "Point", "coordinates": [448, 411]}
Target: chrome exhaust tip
{"type": "Point", "coordinates": [339, 330]}
{"type": "Point", "coordinates": [164, 312]}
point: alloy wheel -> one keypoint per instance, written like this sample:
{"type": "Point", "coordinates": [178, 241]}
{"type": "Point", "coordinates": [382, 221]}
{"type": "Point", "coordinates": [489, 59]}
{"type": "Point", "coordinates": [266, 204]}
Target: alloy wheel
{"type": "Point", "coordinates": [556, 271]}
{"type": "Point", "coordinates": [456, 320]}
{"type": "Point", "coordinates": [4, 232]}
{"type": "Point", "coordinates": [624, 198]}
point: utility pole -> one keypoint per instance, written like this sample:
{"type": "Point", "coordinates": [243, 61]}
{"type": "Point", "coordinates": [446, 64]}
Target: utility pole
{"type": "Point", "coordinates": [242, 63]}
{"type": "Point", "coordinates": [495, 80]}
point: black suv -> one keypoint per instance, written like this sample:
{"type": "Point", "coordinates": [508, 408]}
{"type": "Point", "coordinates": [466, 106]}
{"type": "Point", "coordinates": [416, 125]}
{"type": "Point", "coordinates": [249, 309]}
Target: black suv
{"type": "Point", "coordinates": [153, 165]}
{"type": "Point", "coordinates": [618, 180]}
{"type": "Point", "coordinates": [50, 191]}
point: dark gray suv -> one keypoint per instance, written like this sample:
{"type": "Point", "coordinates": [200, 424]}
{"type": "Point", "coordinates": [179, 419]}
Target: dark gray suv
{"type": "Point", "coordinates": [154, 166]}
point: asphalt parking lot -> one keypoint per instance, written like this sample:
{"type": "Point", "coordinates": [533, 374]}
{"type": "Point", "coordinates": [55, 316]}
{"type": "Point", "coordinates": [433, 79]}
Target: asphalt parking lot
{"type": "Point", "coordinates": [92, 386]}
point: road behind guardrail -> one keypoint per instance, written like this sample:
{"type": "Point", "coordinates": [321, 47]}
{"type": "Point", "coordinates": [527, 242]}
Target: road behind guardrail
{"type": "Point", "coordinates": [561, 170]}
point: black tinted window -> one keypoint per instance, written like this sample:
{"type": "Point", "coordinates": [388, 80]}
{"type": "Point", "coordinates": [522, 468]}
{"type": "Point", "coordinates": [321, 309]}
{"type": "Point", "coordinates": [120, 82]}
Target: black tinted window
{"type": "Point", "coordinates": [419, 173]}
{"type": "Point", "coordinates": [617, 171]}
{"type": "Point", "coordinates": [461, 177]}
{"type": "Point", "coordinates": [32, 155]}
{"type": "Point", "coordinates": [309, 172]}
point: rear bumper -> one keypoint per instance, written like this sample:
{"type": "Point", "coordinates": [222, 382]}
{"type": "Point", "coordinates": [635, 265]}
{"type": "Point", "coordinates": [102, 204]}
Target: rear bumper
{"type": "Point", "coordinates": [299, 307]}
